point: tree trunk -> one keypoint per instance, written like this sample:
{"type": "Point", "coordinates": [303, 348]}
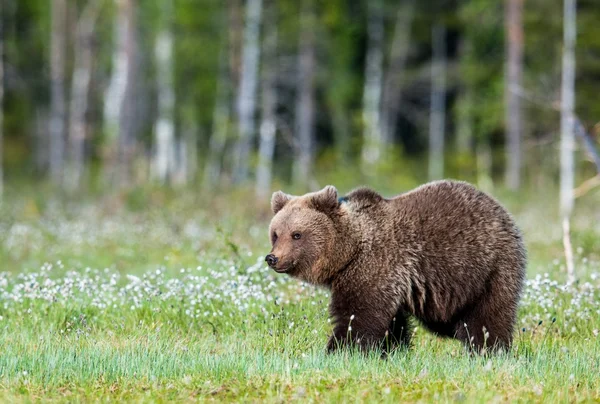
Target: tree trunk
{"type": "Point", "coordinates": [392, 91]}
{"type": "Point", "coordinates": [80, 85]}
{"type": "Point", "coordinates": [220, 124]}
{"type": "Point", "coordinates": [372, 144]}
{"type": "Point", "coordinates": [246, 101]}
{"type": "Point", "coordinates": [164, 131]}
{"type": "Point", "coordinates": [115, 93]}
{"type": "Point", "coordinates": [235, 34]}
{"type": "Point", "coordinates": [268, 127]}
{"type": "Point", "coordinates": [437, 118]}
{"type": "Point", "coordinates": [567, 124]}
{"type": "Point", "coordinates": [305, 102]}
{"type": "Point", "coordinates": [120, 101]}
{"type": "Point", "coordinates": [57, 90]}
{"type": "Point", "coordinates": [127, 118]}
{"type": "Point", "coordinates": [512, 84]}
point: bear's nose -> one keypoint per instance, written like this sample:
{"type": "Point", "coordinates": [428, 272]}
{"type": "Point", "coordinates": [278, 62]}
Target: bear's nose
{"type": "Point", "coordinates": [271, 260]}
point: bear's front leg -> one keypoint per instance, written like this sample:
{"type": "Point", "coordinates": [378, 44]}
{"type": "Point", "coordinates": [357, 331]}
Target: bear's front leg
{"type": "Point", "coordinates": [362, 330]}
{"type": "Point", "coordinates": [360, 323]}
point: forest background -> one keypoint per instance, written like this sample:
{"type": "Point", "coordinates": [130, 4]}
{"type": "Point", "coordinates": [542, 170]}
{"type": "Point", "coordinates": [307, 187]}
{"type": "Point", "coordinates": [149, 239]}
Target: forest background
{"type": "Point", "coordinates": [100, 95]}
{"type": "Point", "coordinates": [140, 142]}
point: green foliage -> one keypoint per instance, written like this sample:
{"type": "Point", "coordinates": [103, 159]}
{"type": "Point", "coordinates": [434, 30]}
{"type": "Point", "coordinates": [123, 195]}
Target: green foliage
{"type": "Point", "coordinates": [207, 37]}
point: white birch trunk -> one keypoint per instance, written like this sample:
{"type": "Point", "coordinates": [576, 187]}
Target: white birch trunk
{"type": "Point", "coordinates": [246, 101]}
{"type": "Point", "coordinates": [127, 119]}
{"type": "Point", "coordinates": [513, 78]}
{"type": "Point", "coordinates": [82, 72]}
{"type": "Point", "coordinates": [268, 127]}
{"type": "Point", "coordinates": [305, 103]}
{"type": "Point", "coordinates": [372, 143]}
{"type": "Point", "coordinates": [164, 164]}
{"type": "Point", "coordinates": [114, 97]}
{"type": "Point", "coordinates": [567, 123]}
{"type": "Point", "coordinates": [57, 90]}
{"type": "Point", "coordinates": [437, 117]}
{"type": "Point", "coordinates": [392, 91]}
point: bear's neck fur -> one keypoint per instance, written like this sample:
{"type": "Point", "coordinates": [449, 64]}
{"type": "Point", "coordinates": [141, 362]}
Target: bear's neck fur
{"type": "Point", "coordinates": [342, 249]}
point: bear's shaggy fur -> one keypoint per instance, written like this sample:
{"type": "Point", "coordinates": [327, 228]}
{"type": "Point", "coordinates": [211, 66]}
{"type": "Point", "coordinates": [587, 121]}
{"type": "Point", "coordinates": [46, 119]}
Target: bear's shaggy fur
{"type": "Point", "coordinates": [445, 253]}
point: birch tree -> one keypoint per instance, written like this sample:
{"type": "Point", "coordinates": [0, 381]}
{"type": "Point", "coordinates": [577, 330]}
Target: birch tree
{"type": "Point", "coordinates": [512, 84]}
{"type": "Point", "coordinates": [567, 129]}
{"type": "Point", "coordinates": [246, 101]}
{"type": "Point", "coordinates": [58, 34]}
{"type": "Point", "coordinates": [392, 90]}
{"type": "Point", "coordinates": [164, 164]}
{"type": "Point", "coordinates": [80, 84]}
{"type": "Point", "coordinates": [305, 102]}
{"type": "Point", "coordinates": [127, 119]}
{"type": "Point", "coordinates": [437, 117]}
{"type": "Point", "coordinates": [372, 135]}
{"type": "Point", "coordinates": [119, 101]}
{"type": "Point", "coordinates": [115, 93]}
{"type": "Point", "coordinates": [268, 126]}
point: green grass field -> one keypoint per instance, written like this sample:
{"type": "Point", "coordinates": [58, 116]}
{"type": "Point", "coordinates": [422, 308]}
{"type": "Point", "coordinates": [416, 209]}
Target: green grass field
{"type": "Point", "coordinates": [173, 302]}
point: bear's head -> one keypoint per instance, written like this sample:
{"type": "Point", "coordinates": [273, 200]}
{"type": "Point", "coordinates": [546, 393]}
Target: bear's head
{"type": "Point", "coordinates": [306, 235]}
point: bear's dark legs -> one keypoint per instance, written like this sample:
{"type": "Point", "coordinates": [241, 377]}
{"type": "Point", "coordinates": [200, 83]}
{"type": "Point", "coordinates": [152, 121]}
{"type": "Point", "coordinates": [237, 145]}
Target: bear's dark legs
{"type": "Point", "coordinates": [365, 330]}
{"type": "Point", "coordinates": [481, 333]}
{"type": "Point", "coordinates": [369, 332]}
{"type": "Point", "coordinates": [489, 324]}
{"type": "Point", "coordinates": [357, 325]}
{"type": "Point", "coordinates": [399, 332]}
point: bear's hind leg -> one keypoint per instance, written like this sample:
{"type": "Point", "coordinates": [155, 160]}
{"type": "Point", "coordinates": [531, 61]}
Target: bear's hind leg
{"type": "Point", "coordinates": [488, 325]}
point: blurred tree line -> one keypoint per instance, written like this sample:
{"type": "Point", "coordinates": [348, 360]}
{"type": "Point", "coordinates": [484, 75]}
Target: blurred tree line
{"type": "Point", "coordinates": [116, 93]}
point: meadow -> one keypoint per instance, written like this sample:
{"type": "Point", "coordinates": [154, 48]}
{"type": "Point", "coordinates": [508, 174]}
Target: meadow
{"type": "Point", "coordinates": [153, 297]}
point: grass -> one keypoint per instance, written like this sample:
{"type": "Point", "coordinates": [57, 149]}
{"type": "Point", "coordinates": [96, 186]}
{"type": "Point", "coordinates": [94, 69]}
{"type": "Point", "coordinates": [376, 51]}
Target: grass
{"type": "Point", "coordinates": [173, 302]}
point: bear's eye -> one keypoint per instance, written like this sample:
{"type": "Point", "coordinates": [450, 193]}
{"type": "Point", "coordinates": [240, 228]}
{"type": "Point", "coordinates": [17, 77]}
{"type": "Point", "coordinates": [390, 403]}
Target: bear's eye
{"type": "Point", "coordinates": [296, 236]}
{"type": "Point", "coordinates": [274, 237]}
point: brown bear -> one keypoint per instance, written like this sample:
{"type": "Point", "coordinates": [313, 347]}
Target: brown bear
{"type": "Point", "coordinates": [445, 253]}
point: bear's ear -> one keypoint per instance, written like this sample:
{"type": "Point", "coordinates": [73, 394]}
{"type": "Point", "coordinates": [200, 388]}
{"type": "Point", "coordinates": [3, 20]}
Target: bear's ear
{"type": "Point", "coordinates": [278, 201]}
{"type": "Point", "coordinates": [325, 200]}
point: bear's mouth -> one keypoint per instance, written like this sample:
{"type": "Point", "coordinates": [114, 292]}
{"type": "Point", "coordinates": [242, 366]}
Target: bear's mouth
{"type": "Point", "coordinates": [285, 269]}
{"type": "Point", "coordinates": [282, 270]}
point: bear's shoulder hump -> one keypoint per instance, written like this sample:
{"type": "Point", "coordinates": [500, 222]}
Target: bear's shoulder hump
{"type": "Point", "coordinates": [361, 198]}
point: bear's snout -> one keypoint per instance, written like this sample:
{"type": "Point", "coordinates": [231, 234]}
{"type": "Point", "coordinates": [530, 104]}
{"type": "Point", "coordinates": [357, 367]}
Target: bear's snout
{"type": "Point", "coordinates": [271, 260]}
